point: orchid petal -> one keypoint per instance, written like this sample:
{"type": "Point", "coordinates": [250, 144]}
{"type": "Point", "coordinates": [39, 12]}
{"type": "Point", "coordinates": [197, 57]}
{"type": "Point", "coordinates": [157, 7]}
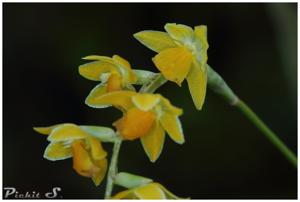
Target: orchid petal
{"type": "Point", "coordinates": [145, 102]}
{"type": "Point", "coordinates": [180, 32]}
{"type": "Point", "coordinates": [153, 142]}
{"type": "Point", "coordinates": [125, 69]}
{"type": "Point", "coordinates": [150, 191]}
{"type": "Point", "coordinates": [168, 107]}
{"type": "Point", "coordinates": [57, 151]}
{"type": "Point", "coordinates": [82, 162]}
{"type": "Point", "coordinates": [174, 63]}
{"type": "Point", "coordinates": [99, 57]}
{"type": "Point", "coordinates": [172, 125]}
{"type": "Point", "coordinates": [46, 130]}
{"type": "Point", "coordinates": [197, 81]}
{"type": "Point", "coordinates": [155, 40]}
{"type": "Point", "coordinates": [127, 194]}
{"type": "Point", "coordinates": [121, 99]}
{"type": "Point", "coordinates": [96, 92]}
{"type": "Point", "coordinates": [201, 43]}
{"type": "Point", "coordinates": [168, 194]}
{"type": "Point", "coordinates": [66, 132]}
{"type": "Point", "coordinates": [99, 176]}
{"type": "Point", "coordinates": [97, 150]}
{"type": "Point", "coordinates": [93, 70]}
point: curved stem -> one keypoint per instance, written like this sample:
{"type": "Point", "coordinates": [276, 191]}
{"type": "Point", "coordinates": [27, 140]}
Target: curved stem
{"type": "Point", "coordinates": [272, 137]}
{"type": "Point", "coordinates": [217, 84]}
{"type": "Point", "coordinates": [113, 168]}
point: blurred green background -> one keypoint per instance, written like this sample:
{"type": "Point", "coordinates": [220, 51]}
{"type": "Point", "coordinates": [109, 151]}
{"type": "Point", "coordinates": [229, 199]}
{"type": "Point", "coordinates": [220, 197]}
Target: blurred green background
{"type": "Point", "coordinates": [252, 45]}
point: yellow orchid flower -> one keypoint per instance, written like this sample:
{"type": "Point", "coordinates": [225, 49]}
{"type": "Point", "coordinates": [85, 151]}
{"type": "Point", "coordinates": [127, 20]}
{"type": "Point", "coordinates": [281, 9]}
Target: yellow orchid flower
{"type": "Point", "coordinates": [146, 116]}
{"type": "Point", "coordinates": [115, 74]}
{"type": "Point", "coordinates": [69, 140]}
{"type": "Point", "coordinates": [182, 54]}
{"type": "Point", "coordinates": [149, 191]}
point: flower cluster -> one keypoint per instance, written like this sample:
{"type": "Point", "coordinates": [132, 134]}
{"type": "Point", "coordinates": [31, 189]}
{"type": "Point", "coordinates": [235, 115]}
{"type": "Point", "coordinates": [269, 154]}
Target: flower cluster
{"type": "Point", "coordinates": [181, 54]}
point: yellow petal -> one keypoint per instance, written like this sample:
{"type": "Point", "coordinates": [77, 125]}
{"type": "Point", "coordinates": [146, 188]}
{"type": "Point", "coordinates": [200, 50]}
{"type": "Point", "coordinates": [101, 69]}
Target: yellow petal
{"type": "Point", "coordinates": [106, 59]}
{"type": "Point", "coordinates": [168, 194]}
{"type": "Point", "coordinates": [197, 80]}
{"type": "Point", "coordinates": [98, 57]}
{"type": "Point", "coordinates": [66, 132]}
{"type": "Point", "coordinates": [145, 102]}
{"type": "Point", "coordinates": [98, 91]}
{"type": "Point", "coordinates": [135, 123]}
{"type": "Point", "coordinates": [99, 176]}
{"type": "Point", "coordinates": [174, 63]}
{"type": "Point", "coordinates": [121, 61]}
{"type": "Point", "coordinates": [201, 43]}
{"type": "Point", "coordinates": [120, 99]}
{"type": "Point", "coordinates": [97, 150]}
{"type": "Point", "coordinates": [57, 151]}
{"type": "Point", "coordinates": [153, 142]}
{"type": "Point", "coordinates": [201, 35]}
{"type": "Point", "coordinates": [180, 32]}
{"type": "Point", "coordinates": [127, 194]}
{"type": "Point", "coordinates": [150, 191]}
{"type": "Point", "coordinates": [93, 70]}
{"type": "Point", "coordinates": [155, 40]}
{"type": "Point", "coordinates": [172, 125]}
{"type": "Point", "coordinates": [46, 130]}
{"type": "Point", "coordinates": [125, 69]}
{"type": "Point", "coordinates": [168, 107]}
{"type": "Point", "coordinates": [82, 162]}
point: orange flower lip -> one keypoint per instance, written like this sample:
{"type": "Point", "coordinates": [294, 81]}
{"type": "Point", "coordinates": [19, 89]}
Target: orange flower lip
{"type": "Point", "coordinates": [135, 124]}
{"type": "Point", "coordinates": [114, 82]}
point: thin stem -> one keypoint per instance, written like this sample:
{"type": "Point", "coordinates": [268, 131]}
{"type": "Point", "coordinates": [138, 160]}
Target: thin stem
{"type": "Point", "coordinates": [154, 85]}
{"type": "Point", "coordinates": [272, 137]}
{"type": "Point", "coordinates": [217, 84]}
{"type": "Point", "coordinates": [113, 169]}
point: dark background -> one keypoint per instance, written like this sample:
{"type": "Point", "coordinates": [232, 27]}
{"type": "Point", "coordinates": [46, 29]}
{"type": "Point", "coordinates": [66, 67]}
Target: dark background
{"type": "Point", "coordinates": [253, 46]}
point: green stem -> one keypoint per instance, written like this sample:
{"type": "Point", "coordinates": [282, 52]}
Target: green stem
{"type": "Point", "coordinates": [219, 86]}
{"type": "Point", "coordinates": [113, 168]}
{"type": "Point", "coordinates": [269, 134]}
{"type": "Point", "coordinates": [152, 86]}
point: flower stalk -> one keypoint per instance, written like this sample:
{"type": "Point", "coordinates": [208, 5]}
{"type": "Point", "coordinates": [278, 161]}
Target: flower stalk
{"type": "Point", "coordinates": [272, 137]}
{"type": "Point", "coordinates": [113, 168]}
{"type": "Point", "coordinates": [219, 86]}
{"type": "Point", "coordinates": [152, 86]}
